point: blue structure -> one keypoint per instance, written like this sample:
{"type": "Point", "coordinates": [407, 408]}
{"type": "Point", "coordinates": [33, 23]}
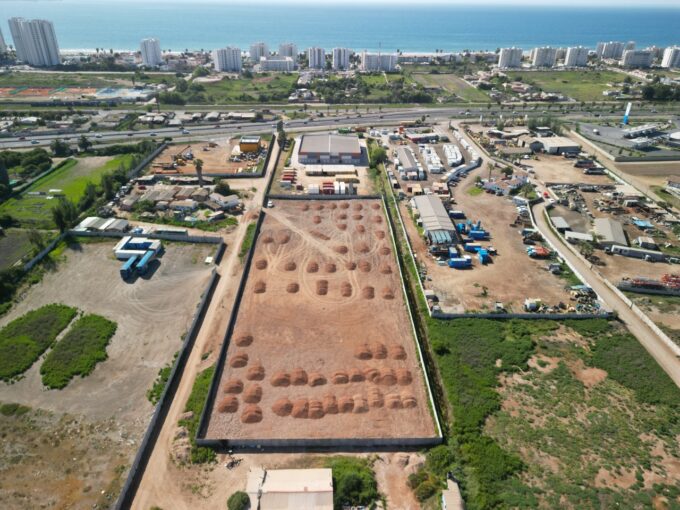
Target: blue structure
{"type": "Point", "coordinates": [128, 268]}
{"type": "Point", "coordinates": [460, 262]}
{"type": "Point", "coordinates": [483, 256]}
{"type": "Point", "coordinates": [144, 262]}
{"type": "Point", "coordinates": [479, 234]}
{"type": "Point", "coordinates": [472, 247]}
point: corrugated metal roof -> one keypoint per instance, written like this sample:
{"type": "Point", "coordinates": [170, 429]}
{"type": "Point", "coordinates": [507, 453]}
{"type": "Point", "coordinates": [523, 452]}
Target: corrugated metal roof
{"type": "Point", "coordinates": [406, 158]}
{"type": "Point", "coordinates": [432, 213]}
{"type": "Point", "coordinates": [560, 222]}
{"type": "Point", "coordinates": [610, 231]}
{"type": "Point", "coordinates": [291, 489]}
{"type": "Point", "coordinates": [330, 144]}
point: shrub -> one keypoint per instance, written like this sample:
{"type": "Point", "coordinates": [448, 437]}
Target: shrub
{"type": "Point", "coordinates": [353, 481]}
{"type": "Point", "coordinates": [238, 501]}
{"type": "Point", "coordinates": [13, 409]}
{"type": "Point", "coordinates": [195, 403]}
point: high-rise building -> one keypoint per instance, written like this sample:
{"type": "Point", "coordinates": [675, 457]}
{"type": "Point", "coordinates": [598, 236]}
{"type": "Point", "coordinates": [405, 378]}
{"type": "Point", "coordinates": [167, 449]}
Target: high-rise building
{"type": "Point", "coordinates": [378, 61]}
{"type": "Point", "coordinates": [543, 57]}
{"type": "Point", "coordinates": [630, 45]}
{"type": "Point", "coordinates": [258, 50]}
{"type": "Point", "coordinates": [3, 46]}
{"type": "Point", "coordinates": [671, 57]}
{"type": "Point", "coordinates": [577, 56]}
{"type": "Point", "coordinates": [317, 58]}
{"type": "Point", "coordinates": [151, 52]}
{"type": "Point", "coordinates": [611, 49]}
{"type": "Point", "coordinates": [288, 50]}
{"type": "Point", "coordinates": [227, 60]}
{"type": "Point", "coordinates": [35, 41]}
{"type": "Point", "coordinates": [510, 57]}
{"type": "Point", "coordinates": [637, 58]}
{"type": "Point", "coordinates": [341, 58]}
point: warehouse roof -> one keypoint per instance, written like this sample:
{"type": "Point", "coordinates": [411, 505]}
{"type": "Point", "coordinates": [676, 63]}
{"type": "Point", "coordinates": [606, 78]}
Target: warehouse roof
{"type": "Point", "coordinates": [406, 158]}
{"type": "Point", "coordinates": [432, 213]}
{"type": "Point", "coordinates": [330, 144]}
{"type": "Point", "coordinates": [560, 223]}
{"type": "Point", "coordinates": [610, 231]}
{"type": "Point", "coordinates": [577, 236]}
{"type": "Point", "coordinates": [250, 139]}
{"type": "Point", "coordinates": [557, 142]}
{"type": "Point", "coordinates": [308, 489]}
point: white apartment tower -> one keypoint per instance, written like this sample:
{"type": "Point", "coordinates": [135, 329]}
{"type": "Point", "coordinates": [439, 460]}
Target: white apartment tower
{"type": "Point", "coordinates": [227, 60]}
{"type": "Point", "coordinates": [671, 57]}
{"type": "Point", "coordinates": [288, 50]}
{"type": "Point", "coordinates": [543, 57]}
{"type": "Point", "coordinates": [577, 56]}
{"type": "Point", "coordinates": [35, 41]}
{"type": "Point", "coordinates": [378, 61]}
{"type": "Point", "coordinates": [611, 49]}
{"type": "Point", "coordinates": [317, 58]}
{"type": "Point", "coordinates": [258, 50]}
{"type": "Point", "coordinates": [510, 57]}
{"type": "Point", "coordinates": [637, 58]}
{"type": "Point", "coordinates": [3, 46]}
{"type": "Point", "coordinates": [151, 52]}
{"type": "Point", "coordinates": [341, 58]}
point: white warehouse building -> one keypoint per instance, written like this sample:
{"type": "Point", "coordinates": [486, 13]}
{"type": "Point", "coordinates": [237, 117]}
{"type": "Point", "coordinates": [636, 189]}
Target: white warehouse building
{"type": "Point", "coordinates": [341, 58]}
{"type": "Point", "coordinates": [317, 58]}
{"type": "Point", "coordinates": [151, 52]}
{"type": "Point", "coordinates": [35, 41]}
{"type": "Point", "coordinates": [227, 60]}
{"type": "Point", "coordinates": [378, 61]}
{"type": "Point", "coordinates": [577, 56]}
{"type": "Point", "coordinates": [509, 58]}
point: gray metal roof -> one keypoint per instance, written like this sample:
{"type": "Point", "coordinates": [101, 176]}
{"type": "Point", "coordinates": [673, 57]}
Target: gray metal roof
{"type": "Point", "coordinates": [406, 158]}
{"type": "Point", "coordinates": [610, 231]}
{"type": "Point", "coordinates": [560, 222]}
{"type": "Point", "coordinates": [432, 213]}
{"type": "Point", "coordinates": [330, 144]}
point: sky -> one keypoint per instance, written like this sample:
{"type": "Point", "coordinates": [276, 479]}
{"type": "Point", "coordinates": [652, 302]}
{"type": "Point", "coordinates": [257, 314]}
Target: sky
{"type": "Point", "coordinates": [541, 3]}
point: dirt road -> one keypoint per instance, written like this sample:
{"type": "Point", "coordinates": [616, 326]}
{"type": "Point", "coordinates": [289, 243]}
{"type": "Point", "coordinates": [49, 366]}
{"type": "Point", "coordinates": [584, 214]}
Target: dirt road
{"type": "Point", "coordinates": [161, 484]}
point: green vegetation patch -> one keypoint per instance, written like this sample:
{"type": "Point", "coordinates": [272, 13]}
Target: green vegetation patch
{"type": "Point", "coordinates": [247, 241]}
{"type": "Point", "coordinates": [23, 340]}
{"type": "Point", "coordinates": [195, 403]}
{"type": "Point", "coordinates": [354, 482]}
{"type": "Point", "coordinates": [13, 409]}
{"type": "Point", "coordinates": [580, 85]}
{"type": "Point", "coordinates": [154, 394]}
{"type": "Point", "coordinates": [260, 88]}
{"type": "Point", "coordinates": [83, 346]}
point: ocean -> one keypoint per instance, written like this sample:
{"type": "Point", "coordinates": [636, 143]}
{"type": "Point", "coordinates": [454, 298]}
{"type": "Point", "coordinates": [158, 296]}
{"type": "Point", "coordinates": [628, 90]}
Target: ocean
{"type": "Point", "coordinates": [120, 24]}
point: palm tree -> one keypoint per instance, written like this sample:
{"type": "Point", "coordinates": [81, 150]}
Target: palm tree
{"type": "Point", "coordinates": [198, 164]}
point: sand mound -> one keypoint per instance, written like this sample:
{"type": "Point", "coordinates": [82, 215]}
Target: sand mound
{"type": "Point", "coordinates": [372, 375]}
{"type": "Point", "coordinates": [233, 386]}
{"type": "Point", "coordinates": [251, 414]}
{"type": "Point", "coordinates": [358, 207]}
{"type": "Point", "coordinates": [376, 219]}
{"type": "Point", "coordinates": [387, 377]}
{"type": "Point", "coordinates": [356, 375]}
{"type": "Point", "coordinates": [368, 293]}
{"type": "Point", "coordinates": [341, 249]}
{"type": "Point", "coordinates": [404, 377]}
{"type": "Point", "coordinates": [312, 267]}
{"type": "Point", "coordinates": [316, 410]}
{"type": "Point", "coordinates": [408, 400]}
{"type": "Point", "coordinates": [267, 238]}
{"type": "Point", "coordinates": [361, 229]}
{"type": "Point", "coordinates": [238, 360]}
{"type": "Point", "coordinates": [345, 404]}
{"type": "Point", "coordinates": [255, 372]}
{"type": "Point", "coordinates": [322, 287]}
{"type": "Point", "coordinates": [300, 408]}
{"type": "Point", "coordinates": [290, 266]}
{"type": "Point", "coordinates": [360, 404]}
{"type": "Point", "coordinates": [380, 234]}
{"type": "Point", "coordinates": [375, 398]}
{"type": "Point", "coordinates": [282, 407]}
{"type": "Point", "coordinates": [344, 205]}
{"type": "Point", "coordinates": [244, 340]}
{"type": "Point", "coordinates": [280, 379]}
{"type": "Point", "coordinates": [357, 217]}
{"type": "Point", "coordinates": [305, 207]}
{"type": "Point", "coordinates": [351, 266]}
{"type": "Point", "coordinates": [318, 207]}
{"type": "Point", "coordinates": [228, 405]}
{"type": "Point", "coordinates": [362, 248]}
{"type": "Point", "coordinates": [365, 266]}
{"type": "Point", "coordinates": [363, 352]}
{"type": "Point", "coordinates": [393, 401]}
{"type": "Point", "coordinates": [345, 289]}
{"type": "Point", "coordinates": [342, 226]}
{"type": "Point", "coordinates": [330, 404]}
{"type": "Point", "coordinates": [319, 235]}
{"type": "Point", "coordinates": [260, 287]}
{"type": "Point", "coordinates": [252, 394]}
{"type": "Point", "coordinates": [298, 377]}
{"type": "Point", "coordinates": [282, 237]}
{"type": "Point", "coordinates": [340, 377]}
{"type": "Point", "coordinates": [379, 350]}
{"type": "Point", "coordinates": [342, 216]}
{"type": "Point", "coordinates": [316, 379]}
{"type": "Point", "coordinates": [387, 293]}
{"type": "Point", "coordinates": [397, 352]}
{"type": "Point", "coordinates": [386, 269]}
{"type": "Point", "coordinates": [292, 288]}
{"type": "Point", "coordinates": [375, 206]}
{"type": "Point", "coordinates": [316, 219]}
{"type": "Point", "coordinates": [333, 206]}
{"type": "Point", "coordinates": [385, 250]}
{"type": "Point", "coordinates": [261, 264]}
{"type": "Point", "coordinates": [331, 268]}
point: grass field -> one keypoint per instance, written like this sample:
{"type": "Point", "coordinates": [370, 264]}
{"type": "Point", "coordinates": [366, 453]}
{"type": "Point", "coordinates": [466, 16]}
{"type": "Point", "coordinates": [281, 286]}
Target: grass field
{"type": "Point", "coordinates": [89, 80]}
{"type": "Point", "coordinates": [260, 88]}
{"type": "Point", "coordinates": [35, 211]}
{"type": "Point", "coordinates": [452, 84]}
{"type": "Point", "coordinates": [83, 346]}
{"type": "Point", "coordinates": [13, 245]}
{"type": "Point", "coordinates": [580, 85]}
{"type": "Point", "coordinates": [23, 340]}
{"type": "Point", "coordinates": [195, 403]}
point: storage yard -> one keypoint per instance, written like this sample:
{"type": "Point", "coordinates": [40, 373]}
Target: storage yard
{"type": "Point", "coordinates": [336, 358]}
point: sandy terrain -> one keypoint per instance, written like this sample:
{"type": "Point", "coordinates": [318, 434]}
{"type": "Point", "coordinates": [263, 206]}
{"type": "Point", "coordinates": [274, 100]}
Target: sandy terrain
{"type": "Point", "coordinates": [316, 364]}
{"type": "Point", "coordinates": [556, 169]}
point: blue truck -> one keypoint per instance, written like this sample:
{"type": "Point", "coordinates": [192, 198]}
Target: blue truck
{"type": "Point", "coordinates": [478, 234]}
{"type": "Point", "coordinates": [460, 262]}
{"type": "Point", "coordinates": [128, 268]}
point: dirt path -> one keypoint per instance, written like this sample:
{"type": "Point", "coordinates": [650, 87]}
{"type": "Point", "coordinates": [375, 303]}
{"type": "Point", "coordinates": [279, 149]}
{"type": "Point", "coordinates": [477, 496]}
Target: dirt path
{"type": "Point", "coordinates": [161, 484]}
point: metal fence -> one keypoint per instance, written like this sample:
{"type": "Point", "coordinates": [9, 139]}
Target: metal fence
{"type": "Point", "coordinates": [188, 238]}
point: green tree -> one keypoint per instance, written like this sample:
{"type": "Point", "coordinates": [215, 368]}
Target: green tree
{"type": "Point", "coordinates": [377, 155]}
{"type": "Point", "coordinates": [60, 148]}
{"type": "Point", "coordinates": [238, 501]}
{"type": "Point", "coordinates": [222, 187]}
{"type": "Point", "coordinates": [64, 214]}
{"type": "Point", "coordinates": [108, 186]}
{"type": "Point", "coordinates": [198, 164]}
{"type": "Point", "coordinates": [89, 196]}
{"type": "Point", "coordinates": [36, 239]}
{"type": "Point", "coordinates": [4, 175]}
{"type": "Point", "coordinates": [84, 143]}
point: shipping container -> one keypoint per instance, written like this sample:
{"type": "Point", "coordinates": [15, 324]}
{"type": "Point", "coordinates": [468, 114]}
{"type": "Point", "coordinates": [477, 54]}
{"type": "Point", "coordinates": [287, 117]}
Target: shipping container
{"type": "Point", "coordinates": [127, 269]}
{"type": "Point", "coordinates": [143, 264]}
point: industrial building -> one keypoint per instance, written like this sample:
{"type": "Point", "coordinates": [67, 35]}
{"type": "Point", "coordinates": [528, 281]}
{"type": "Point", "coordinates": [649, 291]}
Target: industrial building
{"type": "Point", "coordinates": [151, 52]}
{"type": "Point", "coordinates": [277, 64]}
{"type": "Point", "coordinates": [543, 57]}
{"type": "Point", "coordinates": [250, 143]}
{"type": "Point", "coordinates": [316, 58]}
{"type": "Point", "coordinates": [138, 252]}
{"type": "Point", "coordinates": [670, 60]}
{"type": "Point", "coordinates": [329, 149]}
{"type": "Point", "coordinates": [35, 42]}
{"type": "Point", "coordinates": [290, 489]}
{"type": "Point", "coordinates": [407, 160]}
{"type": "Point", "coordinates": [288, 49]}
{"type": "Point", "coordinates": [577, 56]}
{"type": "Point", "coordinates": [341, 59]}
{"type": "Point", "coordinates": [96, 224]}
{"type": "Point", "coordinates": [556, 145]}
{"type": "Point", "coordinates": [509, 58]}
{"type": "Point", "coordinates": [637, 59]}
{"type": "Point", "coordinates": [436, 223]}
{"type": "Point", "coordinates": [227, 60]}
{"type": "Point", "coordinates": [378, 61]}
{"type": "Point", "coordinates": [609, 232]}
{"type": "Point", "coordinates": [258, 50]}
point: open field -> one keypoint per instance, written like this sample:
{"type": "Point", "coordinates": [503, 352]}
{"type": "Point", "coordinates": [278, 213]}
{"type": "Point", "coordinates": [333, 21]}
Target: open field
{"type": "Point", "coordinates": [349, 362]}
{"type": "Point", "coordinates": [13, 246]}
{"type": "Point", "coordinates": [579, 85]}
{"type": "Point", "coordinates": [262, 88]}
{"type": "Point", "coordinates": [557, 169]}
{"type": "Point", "coordinates": [451, 84]}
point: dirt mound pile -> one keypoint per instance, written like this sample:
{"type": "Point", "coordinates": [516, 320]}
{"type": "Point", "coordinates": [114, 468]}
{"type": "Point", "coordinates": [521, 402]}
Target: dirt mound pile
{"type": "Point", "coordinates": [360, 404]}
{"type": "Point", "coordinates": [372, 375]}
{"type": "Point", "coordinates": [280, 379]}
{"type": "Point", "coordinates": [290, 266]}
{"type": "Point", "coordinates": [351, 266]}
{"type": "Point", "coordinates": [404, 377]}
{"type": "Point", "coordinates": [387, 377]}
{"type": "Point", "coordinates": [330, 404]}
{"type": "Point", "coordinates": [300, 408]}
{"type": "Point", "coordinates": [261, 264]}
{"type": "Point", "coordinates": [340, 377]}
{"type": "Point", "coordinates": [316, 410]}
{"type": "Point", "coordinates": [397, 351]}
{"type": "Point", "coordinates": [316, 379]}
{"type": "Point", "coordinates": [345, 404]}
{"type": "Point", "coordinates": [368, 292]}
{"type": "Point", "coordinates": [282, 237]}
{"type": "Point", "coordinates": [342, 226]}
{"type": "Point", "coordinates": [375, 398]}
{"type": "Point", "coordinates": [292, 288]}
{"type": "Point", "coordinates": [233, 386]}
{"type": "Point", "coordinates": [251, 414]}
{"type": "Point", "coordinates": [356, 375]}
{"type": "Point", "coordinates": [228, 405]}
{"type": "Point", "coordinates": [244, 340]}
{"type": "Point", "coordinates": [386, 269]}
{"type": "Point", "coordinates": [282, 407]}
{"type": "Point", "coordinates": [387, 293]}
{"type": "Point", "coordinates": [380, 234]}
{"type": "Point", "coordinates": [365, 266]}
{"type": "Point", "coordinates": [312, 267]}
{"type": "Point", "coordinates": [319, 235]}
{"type": "Point", "coordinates": [362, 248]}
{"type": "Point", "coordinates": [305, 207]}
{"type": "Point", "coordinates": [267, 238]}
{"type": "Point", "coordinates": [358, 207]}
{"type": "Point", "coordinates": [393, 401]}
{"type": "Point", "coordinates": [345, 289]}
{"type": "Point", "coordinates": [379, 350]}
{"type": "Point", "coordinates": [375, 206]}
{"type": "Point", "coordinates": [316, 219]}
{"type": "Point", "coordinates": [260, 287]}
{"type": "Point", "coordinates": [333, 206]}
{"type": "Point", "coordinates": [239, 360]}
{"type": "Point", "coordinates": [385, 250]}
{"type": "Point", "coordinates": [342, 216]}
{"type": "Point", "coordinates": [357, 217]}
{"type": "Point", "coordinates": [361, 229]}
{"type": "Point", "coordinates": [322, 287]}
{"type": "Point", "coordinates": [252, 394]}
{"type": "Point", "coordinates": [344, 205]}
{"type": "Point", "coordinates": [298, 377]}
{"type": "Point", "coordinates": [341, 249]}
{"type": "Point", "coordinates": [408, 400]}
{"type": "Point", "coordinates": [255, 372]}
{"type": "Point", "coordinates": [331, 268]}
{"type": "Point", "coordinates": [318, 207]}
{"type": "Point", "coordinates": [377, 219]}
{"type": "Point", "coordinates": [363, 352]}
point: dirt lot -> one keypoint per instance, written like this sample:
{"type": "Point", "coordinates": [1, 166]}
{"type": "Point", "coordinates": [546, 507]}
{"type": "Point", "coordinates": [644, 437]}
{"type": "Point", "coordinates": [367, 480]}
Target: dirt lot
{"type": "Point", "coordinates": [320, 374]}
{"type": "Point", "coordinates": [556, 169]}
{"type": "Point", "coordinates": [109, 409]}
{"type": "Point", "coordinates": [216, 160]}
